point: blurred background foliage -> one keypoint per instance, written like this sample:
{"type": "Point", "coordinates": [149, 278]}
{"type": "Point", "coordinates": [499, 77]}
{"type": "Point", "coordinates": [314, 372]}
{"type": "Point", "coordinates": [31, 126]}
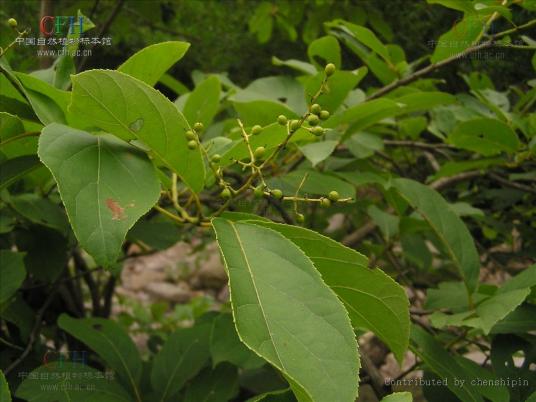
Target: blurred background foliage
{"type": "Point", "coordinates": [256, 30]}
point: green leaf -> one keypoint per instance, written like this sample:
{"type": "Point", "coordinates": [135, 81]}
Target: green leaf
{"type": "Point", "coordinates": [398, 397]}
{"type": "Point", "coordinates": [203, 102]}
{"type": "Point", "coordinates": [297, 65]}
{"type": "Point", "coordinates": [524, 279]}
{"type": "Point", "coordinates": [262, 112]}
{"type": "Point", "coordinates": [317, 183]}
{"type": "Point", "coordinates": [269, 138]}
{"type": "Point", "coordinates": [451, 168]}
{"type": "Point", "coordinates": [362, 144]}
{"type": "Point", "coordinates": [151, 62]}
{"type": "Point", "coordinates": [49, 102]}
{"type": "Point", "coordinates": [417, 101]}
{"type": "Point", "coordinates": [130, 109]}
{"type": "Point", "coordinates": [387, 223]}
{"type": "Point", "coordinates": [284, 395]}
{"type": "Point", "coordinates": [40, 210]}
{"type": "Point", "coordinates": [327, 48]}
{"type": "Point", "coordinates": [454, 4]}
{"type": "Point", "coordinates": [12, 170]}
{"type": "Point", "coordinates": [214, 385]}
{"type": "Point", "coordinates": [369, 39]}
{"type": "Point", "coordinates": [460, 37]}
{"type": "Point", "coordinates": [47, 251]}
{"type": "Point", "coordinates": [339, 86]}
{"type": "Point", "coordinates": [5, 395]}
{"type": "Point", "coordinates": [156, 233]}
{"type": "Point", "coordinates": [443, 364]}
{"type": "Point", "coordinates": [519, 321]}
{"type": "Point", "coordinates": [283, 90]}
{"type": "Point", "coordinates": [14, 139]}
{"type": "Point", "coordinates": [225, 345]}
{"type": "Point", "coordinates": [373, 300]}
{"type": "Point", "coordinates": [367, 113]}
{"type": "Point", "coordinates": [446, 225]}
{"type": "Point", "coordinates": [19, 313]}
{"type": "Point", "coordinates": [298, 324]}
{"type": "Point", "coordinates": [111, 343]}
{"type": "Point", "coordinates": [317, 152]}
{"type": "Point", "coordinates": [66, 382]}
{"type": "Point", "coordinates": [105, 185]}
{"type": "Point", "coordinates": [183, 355]}
{"type": "Point", "coordinates": [174, 84]}
{"type": "Point", "coordinates": [485, 136]}
{"type": "Point", "coordinates": [12, 272]}
{"type": "Point", "coordinates": [492, 310]}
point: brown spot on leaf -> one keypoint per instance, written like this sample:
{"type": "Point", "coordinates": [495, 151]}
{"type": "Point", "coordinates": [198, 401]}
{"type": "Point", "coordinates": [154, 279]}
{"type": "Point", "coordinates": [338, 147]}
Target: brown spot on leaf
{"type": "Point", "coordinates": [98, 327]}
{"type": "Point", "coordinates": [118, 212]}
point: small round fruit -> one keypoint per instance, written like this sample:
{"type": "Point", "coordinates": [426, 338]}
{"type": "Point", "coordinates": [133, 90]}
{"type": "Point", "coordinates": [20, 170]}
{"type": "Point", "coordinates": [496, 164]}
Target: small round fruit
{"type": "Point", "coordinates": [190, 135]}
{"type": "Point", "coordinates": [259, 191]}
{"type": "Point", "coordinates": [226, 193]}
{"type": "Point", "coordinates": [277, 194]}
{"type": "Point", "coordinates": [256, 129]}
{"type": "Point", "coordinates": [325, 202]}
{"type": "Point", "coordinates": [316, 108]}
{"type": "Point", "coordinates": [330, 69]}
{"type": "Point", "coordinates": [334, 196]}
{"type": "Point", "coordinates": [324, 115]}
{"type": "Point", "coordinates": [192, 144]}
{"type": "Point", "coordinates": [282, 119]}
{"type": "Point", "coordinates": [12, 22]}
{"type": "Point", "coordinates": [198, 127]}
{"type": "Point", "coordinates": [215, 158]}
{"type": "Point", "coordinates": [318, 131]}
{"type": "Point", "coordinates": [300, 218]}
{"type": "Point", "coordinates": [259, 153]}
{"type": "Point", "coordinates": [294, 125]}
{"type": "Point", "coordinates": [313, 120]}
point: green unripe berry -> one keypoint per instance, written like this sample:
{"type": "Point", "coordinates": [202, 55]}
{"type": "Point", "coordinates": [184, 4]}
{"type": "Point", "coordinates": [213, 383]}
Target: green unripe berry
{"type": "Point", "coordinates": [324, 115]}
{"type": "Point", "coordinates": [318, 131]}
{"type": "Point", "coordinates": [259, 153]}
{"type": "Point", "coordinates": [294, 125]}
{"type": "Point", "coordinates": [277, 194]}
{"type": "Point", "coordinates": [190, 135]}
{"type": "Point", "coordinates": [215, 158]}
{"type": "Point", "coordinates": [325, 202]}
{"type": "Point", "coordinates": [192, 144]}
{"type": "Point", "coordinates": [198, 127]}
{"type": "Point", "coordinates": [282, 119]}
{"type": "Point", "coordinates": [12, 22]}
{"type": "Point", "coordinates": [330, 69]}
{"type": "Point", "coordinates": [256, 129]}
{"type": "Point", "coordinates": [226, 193]}
{"type": "Point", "coordinates": [313, 120]}
{"type": "Point", "coordinates": [316, 108]}
{"type": "Point", "coordinates": [259, 191]}
{"type": "Point", "coordinates": [334, 196]}
{"type": "Point", "coordinates": [300, 218]}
